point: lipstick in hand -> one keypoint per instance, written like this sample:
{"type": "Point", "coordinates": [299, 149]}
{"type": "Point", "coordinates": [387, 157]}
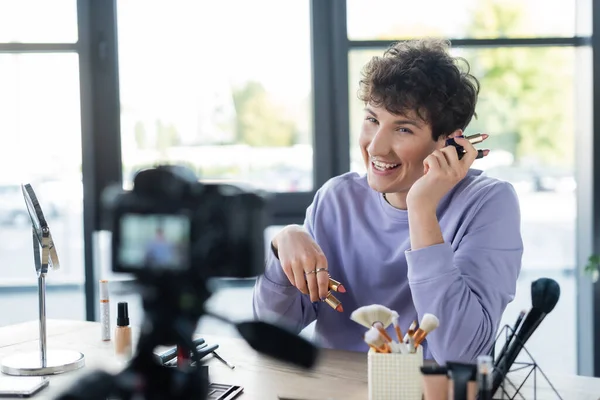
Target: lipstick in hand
{"type": "Point", "coordinates": [333, 302]}
{"type": "Point", "coordinates": [336, 286]}
{"type": "Point", "coordinates": [473, 139]}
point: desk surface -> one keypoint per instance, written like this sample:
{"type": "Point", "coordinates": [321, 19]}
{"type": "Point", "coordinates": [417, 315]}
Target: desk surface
{"type": "Point", "coordinates": [339, 374]}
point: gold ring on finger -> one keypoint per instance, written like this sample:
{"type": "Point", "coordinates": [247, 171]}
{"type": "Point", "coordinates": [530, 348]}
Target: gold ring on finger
{"type": "Point", "coordinates": [311, 272]}
{"type": "Point", "coordinates": [320, 270]}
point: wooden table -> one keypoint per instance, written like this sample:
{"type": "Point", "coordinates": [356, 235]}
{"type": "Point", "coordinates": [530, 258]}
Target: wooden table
{"type": "Point", "coordinates": [339, 374]}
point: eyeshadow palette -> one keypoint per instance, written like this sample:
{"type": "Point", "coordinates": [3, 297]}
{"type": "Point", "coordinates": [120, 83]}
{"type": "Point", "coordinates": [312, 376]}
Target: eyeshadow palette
{"type": "Point", "coordinates": [217, 391]}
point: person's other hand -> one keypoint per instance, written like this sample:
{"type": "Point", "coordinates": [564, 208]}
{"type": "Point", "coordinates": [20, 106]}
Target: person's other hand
{"type": "Point", "coordinates": [303, 261]}
{"type": "Point", "coordinates": [442, 171]}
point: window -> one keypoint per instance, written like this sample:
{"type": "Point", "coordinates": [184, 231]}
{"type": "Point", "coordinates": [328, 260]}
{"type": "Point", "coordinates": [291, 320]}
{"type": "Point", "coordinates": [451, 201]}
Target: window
{"type": "Point", "coordinates": [526, 104]}
{"type": "Point", "coordinates": [38, 21]}
{"type": "Point", "coordinates": [229, 97]}
{"type": "Point", "coordinates": [478, 19]}
{"type": "Point", "coordinates": [41, 134]}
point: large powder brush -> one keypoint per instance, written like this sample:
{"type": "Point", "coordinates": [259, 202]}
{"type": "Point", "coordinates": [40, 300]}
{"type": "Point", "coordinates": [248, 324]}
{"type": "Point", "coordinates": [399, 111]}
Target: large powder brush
{"type": "Point", "coordinates": [369, 315]}
{"type": "Point", "coordinates": [545, 293]}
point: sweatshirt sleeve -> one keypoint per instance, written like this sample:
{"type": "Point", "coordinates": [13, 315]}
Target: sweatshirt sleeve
{"type": "Point", "coordinates": [275, 298]}
{"type": "Point", "coordinates": [469, 287]}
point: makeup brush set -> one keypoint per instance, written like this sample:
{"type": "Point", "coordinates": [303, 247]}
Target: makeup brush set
{"type": "Point", "coordinates": [377, 318]}
{"type": "Point", "coordinates": [393, 364]}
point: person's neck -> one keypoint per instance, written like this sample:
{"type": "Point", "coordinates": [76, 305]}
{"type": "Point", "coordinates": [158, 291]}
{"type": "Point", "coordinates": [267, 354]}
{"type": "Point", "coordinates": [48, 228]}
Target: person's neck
{"type": "Point", "coordinates": [397, 200]}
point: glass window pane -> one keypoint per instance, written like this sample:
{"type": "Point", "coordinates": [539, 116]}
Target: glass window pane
{"type": "Point", "coordinates": [526, 104]}
{"type": "Point", "coordinates": [228, 94]}
{"type": "Point", "coordinates": [38, 21]}
{"type": "Point", "coordinates": [392, 19]}
{"type": "Point", "coordinates": [41, 144]}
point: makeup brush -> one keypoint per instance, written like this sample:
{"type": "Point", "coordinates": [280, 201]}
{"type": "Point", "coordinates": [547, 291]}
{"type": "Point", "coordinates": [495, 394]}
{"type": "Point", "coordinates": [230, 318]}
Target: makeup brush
{"type": "Point", "coordinates": [409, 338]}
{"type": "Point", "coordinates": [512, 334]}
{"type": "Point", "coordinates": [396, 347]}
{"type": "Point", "coordinates": [369, 315]}
{"type": "Point", "coordinates": [428, 324]}
{"type": "Point", "coordinates": [411, 331]}
{"type": "Point", "coordinates": [374, 340]}
{"type": "Point", "coordinates": [545, 293]}
{"type": "Point", "coordinates": [384, 335]}
{"type": "Point", "coordinates": [395, 317]}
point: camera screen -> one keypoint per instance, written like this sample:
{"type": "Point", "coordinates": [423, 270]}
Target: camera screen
{"type": "Point", "coordinates": [157, 241]}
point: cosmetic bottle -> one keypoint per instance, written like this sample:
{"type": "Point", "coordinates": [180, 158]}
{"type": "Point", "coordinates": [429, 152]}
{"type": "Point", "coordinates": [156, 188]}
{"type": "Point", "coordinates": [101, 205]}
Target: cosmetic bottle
{"type": "Point", "coordinates": [104, 310]}
{"type": "Point", "coordinates": [435, 382]}
{"type": "Point", "coordinates": [463, 381]}
{"type": "Point", "coordinates": [123, 348]}
{"type": "Point", "coordinates": [485, 367]}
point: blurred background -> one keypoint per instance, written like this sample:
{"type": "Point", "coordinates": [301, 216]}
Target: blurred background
{"type": "Point", "coordinates": [264, 92]}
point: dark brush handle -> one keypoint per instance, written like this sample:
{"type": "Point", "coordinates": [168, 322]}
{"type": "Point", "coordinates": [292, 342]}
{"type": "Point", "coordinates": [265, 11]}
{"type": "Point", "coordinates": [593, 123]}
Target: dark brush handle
{"type": "Point", "coordinates": [531, 322]}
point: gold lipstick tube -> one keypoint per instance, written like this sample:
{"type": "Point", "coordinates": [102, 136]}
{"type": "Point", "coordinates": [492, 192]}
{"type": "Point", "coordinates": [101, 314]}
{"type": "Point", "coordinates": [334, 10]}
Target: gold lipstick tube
{"type": "Point", "coordinates": [333, 302]}
{"type": "Point", "coordinates": [333, 284]}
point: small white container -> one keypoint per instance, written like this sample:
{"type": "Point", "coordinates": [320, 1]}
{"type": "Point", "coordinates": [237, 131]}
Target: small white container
{"type": "Point", "coordinates": [395, 376]}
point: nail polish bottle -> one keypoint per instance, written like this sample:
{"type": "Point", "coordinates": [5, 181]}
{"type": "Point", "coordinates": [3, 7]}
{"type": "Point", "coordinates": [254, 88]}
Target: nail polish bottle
{"type": "Point", "coordinates": [123, 333]}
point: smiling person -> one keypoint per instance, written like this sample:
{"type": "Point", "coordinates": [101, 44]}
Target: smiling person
{"type": "Point", "coordinates": [421, 232]}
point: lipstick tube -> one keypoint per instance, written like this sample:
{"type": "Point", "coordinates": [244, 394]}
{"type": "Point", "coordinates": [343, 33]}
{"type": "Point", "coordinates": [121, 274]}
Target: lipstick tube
{"type": "Point", "coordinates": [104, 311]}
{"type": "Point", "coordinates": [335, 285]}
{"type": "Point", "coordinates": [474, 139]}
{"type": "Point", "coordinates": [333, 302]}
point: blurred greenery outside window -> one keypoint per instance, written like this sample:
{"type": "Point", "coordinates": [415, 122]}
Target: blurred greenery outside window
{"type": "Point", "coordinates": [526, 102]}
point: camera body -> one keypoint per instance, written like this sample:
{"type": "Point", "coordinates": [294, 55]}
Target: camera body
{"type": "Point", "coordinates": [170, 224]}
{"type": "Point", "coordinates": [174, 233]}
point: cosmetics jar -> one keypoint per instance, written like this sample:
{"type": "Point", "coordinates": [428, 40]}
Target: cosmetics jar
{"type": "Point", "coordinates": [394, 376]}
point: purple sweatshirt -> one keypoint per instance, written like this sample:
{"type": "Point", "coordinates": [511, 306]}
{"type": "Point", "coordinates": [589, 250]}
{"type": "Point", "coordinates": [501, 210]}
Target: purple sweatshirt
{"type": "Point", "coordinates": [466, 282]}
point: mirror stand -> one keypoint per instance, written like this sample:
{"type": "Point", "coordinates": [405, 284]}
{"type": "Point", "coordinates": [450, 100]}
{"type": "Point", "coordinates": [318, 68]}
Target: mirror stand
{"type": "Point", "coordinates": [44, 361]}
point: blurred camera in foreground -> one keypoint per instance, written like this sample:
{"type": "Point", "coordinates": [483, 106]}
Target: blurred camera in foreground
{"type": "Point", "coordinates": [173, 234]}
{"type": "Point", "coordinates": [171, 224]}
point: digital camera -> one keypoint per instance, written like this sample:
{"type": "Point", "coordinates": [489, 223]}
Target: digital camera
{"type": "Point", "coordinates": [171, 224]}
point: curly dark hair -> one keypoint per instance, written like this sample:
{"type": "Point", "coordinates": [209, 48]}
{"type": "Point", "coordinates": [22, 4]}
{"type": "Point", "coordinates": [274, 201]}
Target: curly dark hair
{"type": "Point", "coordinates": [420, 75]}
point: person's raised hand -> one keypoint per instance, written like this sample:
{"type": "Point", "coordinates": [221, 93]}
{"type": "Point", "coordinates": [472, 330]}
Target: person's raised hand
{"type": "Point", "coordinates": [303, 261]}
{"type": "Point", "coordinates": [442, 170]}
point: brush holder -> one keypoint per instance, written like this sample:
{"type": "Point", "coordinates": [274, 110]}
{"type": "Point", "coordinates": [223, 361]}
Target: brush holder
{"type": "Point", "coordinates": [394, 376]}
